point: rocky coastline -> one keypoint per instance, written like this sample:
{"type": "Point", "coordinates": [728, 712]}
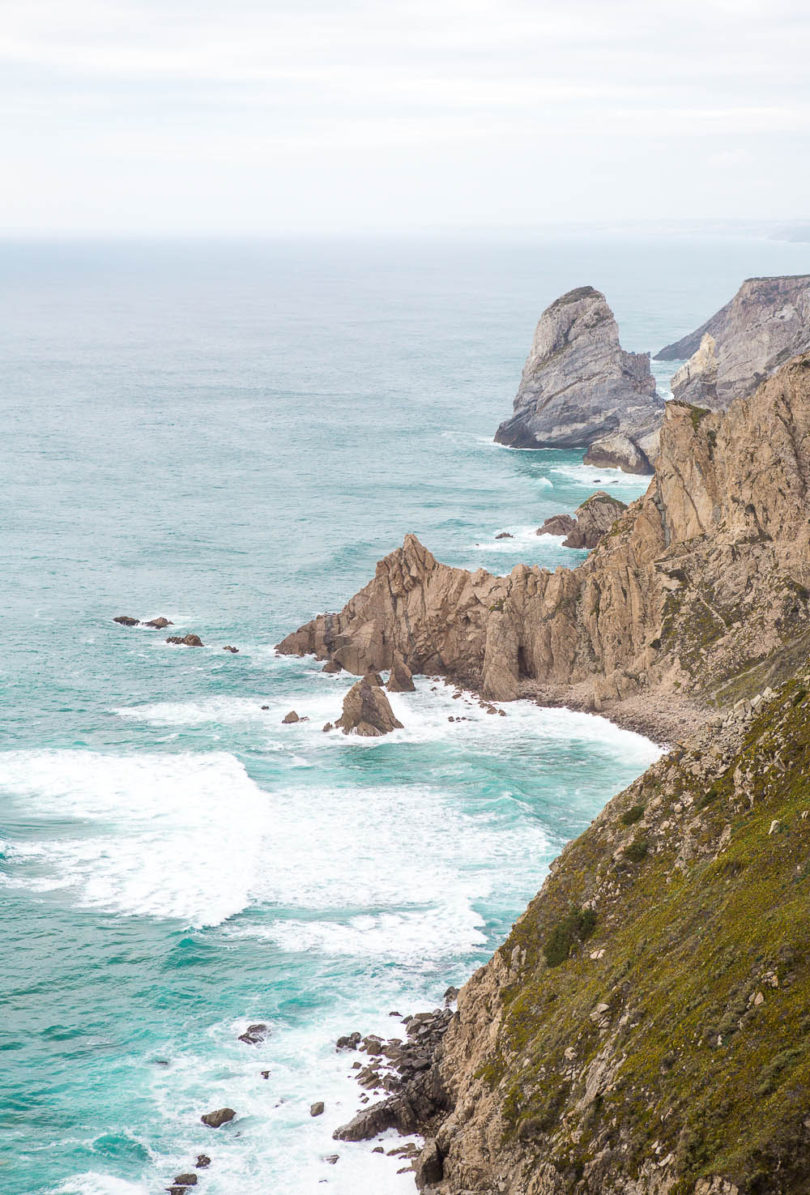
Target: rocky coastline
{"type": "Point", "coordinates": [656, 989]}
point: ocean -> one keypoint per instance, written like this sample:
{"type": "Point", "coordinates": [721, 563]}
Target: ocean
{"type": "Point", "coordinates": [230, 435]}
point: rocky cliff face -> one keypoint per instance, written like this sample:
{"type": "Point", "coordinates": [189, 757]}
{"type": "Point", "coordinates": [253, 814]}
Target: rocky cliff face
{"type": "Point", "coordinates": [765, 324]}
{"type": "Point", "coordinates": [581, 389]}
{"type": "Point", "coordinates": [703, 580]}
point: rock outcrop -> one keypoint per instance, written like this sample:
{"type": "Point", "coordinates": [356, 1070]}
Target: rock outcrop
{"type": "Point", "coordinates": [707, 572]}
{"type": "Point", "coordinates": [367, 711]}
{"type": "Point", "coordinates": [589, 524]}
{"type": "Point", "coordinates": [400, 679]}
{"type": "Point", "coordinates": [763, 326]}
{"type": "Point", "coordinates": [580, 389]}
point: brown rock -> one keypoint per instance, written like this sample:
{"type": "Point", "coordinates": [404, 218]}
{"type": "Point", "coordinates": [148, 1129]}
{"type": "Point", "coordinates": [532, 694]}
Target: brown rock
{"type": "Point", "coordinates": [331, 666]}
{"type": "Point", "coordinates": [216, 1119]}
{"type": "Point", "coordinates": [558, 525]}
{"type": "Point", "coordinates": [400, 678]}
{"type": "Point", "coordinates": [186, 640]}
{"type": "Point", "coordinates": [126, 620]}
{"type": "Point", "coordinates": [367, 711]}
{"type": "Point", "coordinates": [254, 1034]}
{"type": "Point", "coordinates": [288, 719]}
{"type": "Point", "coordinates": [186, 1180]}
{"type": "Point", "coordinates": [159, 623]}
{"type": "Point", "coordinates": [327, 726]}
{"type": "Point", "coordinates": [504, 535]}
{"type": "Point", "coordinates": [317, 1108]}
{"type": "Point", "coordinates": [233, 650]}
{"type": "Point", "coordinates": [203, 1161]}
{"type": "Point", "coordinates": [594, 518]}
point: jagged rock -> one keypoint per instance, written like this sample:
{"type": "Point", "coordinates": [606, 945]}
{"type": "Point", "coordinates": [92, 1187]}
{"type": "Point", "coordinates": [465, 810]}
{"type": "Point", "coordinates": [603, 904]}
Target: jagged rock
{"type": "Point", "coordinates": [558, 525]}
{"type": "Point", "coordinates": [216, 1119]}
{"type": "Point", "coordinates": [504, 535]}
{"type": "Point", "coordinates": [367, 711]}
{"type": "Point", "coordinates": [725, 515]}
{"type": "Point", "coordinates": [233, 650]}
{"type": "Point", "coordinates": [332, 1159]}
{"type": "Point", "coordinates": [126, 620]}
{"type": "Point", "coordinates": [350, 1042]}
{"type": "Point", "coordinates": [594, 518]}
{"type": "Point", "coordinates": [373, 678]}
{"type": "Point", "coordinates": [186, 640]}
{"type": "Point", "coordinates": [429, 1167]}
{"type": "Point", "coordinates": [618, 451]}
{"type": "Point", "coordinates": [763, 326]}
{"type": "Point", "coordinates": [289, 718]}
{"type": "Point", "coordinates": [203, 1161]}
{"type": "Point", "coordinates": [400, 679]}
{"type": "Point", "coordinates": [159, 623]}
{"type": "Point", "coordinates": [186, 1180]}
{"type": "Point", "coordinates": [327, 726]}
{"type": "Point", "coordinates": [254, 1034]}
{"type": "Point", "coordinates": [331, 666]}
{"type": "Point", "coordinates": [317, 1108]}
{"type": "Point", "coordinates": [580, 386]}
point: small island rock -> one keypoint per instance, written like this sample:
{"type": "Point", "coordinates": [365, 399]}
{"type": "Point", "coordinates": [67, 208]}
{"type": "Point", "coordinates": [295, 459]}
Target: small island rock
{"type": "Point", "coordinates": [288, 719]}
{"type": "Point", "coordinates": [216, 1119]}
{"type": "Point", "coordinates": [126, 620]}
{"type": "Point", "coordinates": [186, 640]}
{"type": "Point", "coordinates": [367, 711]}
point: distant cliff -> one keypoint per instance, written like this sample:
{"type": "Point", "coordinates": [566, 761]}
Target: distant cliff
{"type": "Point", "coordinates": [580, 389]}
{"type": "Point", "coordinates": [763, 326]}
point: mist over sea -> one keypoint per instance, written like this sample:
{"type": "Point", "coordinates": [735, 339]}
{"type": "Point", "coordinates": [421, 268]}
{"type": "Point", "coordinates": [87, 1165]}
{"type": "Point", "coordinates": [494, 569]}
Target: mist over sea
{"type": "Point", "coordinates": [231, 435]}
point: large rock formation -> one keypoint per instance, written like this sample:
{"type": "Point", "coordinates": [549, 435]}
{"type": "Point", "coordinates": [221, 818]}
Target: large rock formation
{"type": "Point", "coordinates": [581, 389]}
{"type": "Point", "coordinates": [765, 324]}
{"type": "Point", "coordinates": [589, 524]}
{"type": "Point", "coordinates": [709, 571]}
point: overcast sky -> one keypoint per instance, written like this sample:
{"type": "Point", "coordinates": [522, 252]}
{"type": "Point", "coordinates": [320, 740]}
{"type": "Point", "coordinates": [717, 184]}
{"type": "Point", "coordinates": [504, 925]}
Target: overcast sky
{"type": "Point", "coordinates": [270, 116]}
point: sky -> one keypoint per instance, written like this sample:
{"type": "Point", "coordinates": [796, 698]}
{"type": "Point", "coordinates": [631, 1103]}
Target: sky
{"type": "Point", "coordinates": [284, 116]}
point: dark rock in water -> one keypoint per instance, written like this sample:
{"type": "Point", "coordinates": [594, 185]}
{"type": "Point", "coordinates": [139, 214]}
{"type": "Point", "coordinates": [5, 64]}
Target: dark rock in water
{"type": "Point", "coordinates": [288, 719]}
{"type": "Point", "coordinates": [327, 726]}
{"type": "Point", "coordinates": [367, 711]}
{"type": "Point", "coordinates": [254, 1034]}
{"type": "Point", "coordinates": [450, 995]}
{"type": "Point", "coordinates": [126, 620]}
{"type": "Point", "coordinates": [217, 1118]}
{"type": "Point", "coordinates": [350, 1042]}
{"type": "Point", "coordinates": [265, 707]}
{"type": "Point", "coordinates": [558, 525]}
{"type": "Point", "coordinates": [579, 385]}
{"type": "Point", "coordinates": [317, 1108]}
{"type": "Point", "coordinates": [332, 1159]}
{"type": "Point", "coordinates": [265, 1074]}
{"type": "Point", "coordinates": [233, 650]}
{"type": "Point", "coordinates": [186, 1180]}
{"type": "Point", "coordinates": [504, 535]}
{"type": "Point", "coordinates": [203, 1161]}
{"type": "Point", "coordinates": [186, 640]}
{"type": "Point", "coordinates": [159, 623]}
{"type": "Point", "coordinates": [400, 678]}
{"type": "Point", "coordinates": [429, 1166]}
{"type": "Point", "coordinates": [332, 666]}
{"type": "Point", "coordinates": [176, 1190]}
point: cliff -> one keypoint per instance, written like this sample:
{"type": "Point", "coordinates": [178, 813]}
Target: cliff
{"type": "Point", "coordinates": [699, 590]}
{"type": "Point", "coordinates": [763, 326]}
{"type": "Point", "coordinates": [581, 389]}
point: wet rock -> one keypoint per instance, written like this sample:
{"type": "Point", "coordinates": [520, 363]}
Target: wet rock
{"type": "Point", "coordinates": [367, 711]}
{"type": "Point", "coordinates": [288, 719]}
{"type": "Point", "coordinates": [327, 726]}
{"type": "Point", "coordinates": [216, 1119]}
{"type": "Point", "coordinates": [558, 525]}
{"type": "Point", "coordinates": [317, 1108]}
{"type": "Point", "coordinates": [400, 678]}
{"type": "Point", "coordinates": [450, 995]}
{"type": "Point", "coordinates": [203, 1161]}
{"type": "Point", "coordinates": [159, 623]}
{"type": "Point", "coordinates": [504, 535]}
{"type": "Point", "coordinates": [126, 620]}
{"type": "Point", "coordinates": [254, 1034]}
{"type": "Point", "coordinates": [265, 707]}
{"type": "Point", "coordinates": [233, 650]}
{"type": "Point", "coordinates": [265, 1074]}
{"type": "Point", "coordinates": [350, 1042]}
{"type": "Point", "coordinates": [186, 640]}
{"type": "Point", "coordinates": [332, 666]}
{"type": "Point", "coordinates": [332, 1159]}
{"type": "Point", "coordinates": [186, 1180]}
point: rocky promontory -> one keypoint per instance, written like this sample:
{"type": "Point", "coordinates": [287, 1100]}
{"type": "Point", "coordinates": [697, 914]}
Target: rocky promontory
{"type": "Point", "coordinates": [763, 326]}
{"type": "Point", "coordinates": [589, 524]}
{"type": "Point", "coordinates": [580, 389]}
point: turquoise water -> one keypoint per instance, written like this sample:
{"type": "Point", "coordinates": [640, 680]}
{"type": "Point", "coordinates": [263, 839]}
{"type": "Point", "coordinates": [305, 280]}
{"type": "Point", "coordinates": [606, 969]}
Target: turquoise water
{"type": "Point", "coordinates": [231, 436]}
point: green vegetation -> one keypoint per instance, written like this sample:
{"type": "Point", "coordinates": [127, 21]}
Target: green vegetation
{"type": "Point", "coordinates": [694, 1006]}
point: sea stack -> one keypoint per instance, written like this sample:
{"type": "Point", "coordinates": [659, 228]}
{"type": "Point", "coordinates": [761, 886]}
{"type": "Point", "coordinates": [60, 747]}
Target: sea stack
{"type": "Point", "coordinates": [763, 326]}
{"type": "Point", "coordinates": [580, 389]}
{"type": "Point", "coordinates": [367, 711]}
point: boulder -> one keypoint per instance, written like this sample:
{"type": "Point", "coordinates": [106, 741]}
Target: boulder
{"type": "Point", "coordinates": [618, 451]}
{"type": "Point", "coordinates": [288, 719]}
{"type": "Point", "coordinates": [233, 650]}
{"type": "Point", "coordinates": [317, 1108]}
{"type": "Point", "coordinates": [126, 620]}
{"type": "Point", "coordinates": [400, 678]}
{"type": "Point", "coordinates": [159, 623]}
{"type": "Point", "coordinates": [594, 518]}
{"type": "Point", "coordinates": [254, 1034]}
{"type": "Point", "coordinates": [367, 711]}
{"type": "Point", "coordinates": [504, 535]}
{"type": "Point", "coordinates": [327, 726]}
{"type": "Point", "coordinates": [579, 385]}
{"type": "Point", "coordinates": [219, 1117]}
{"type": "Point", "coordinates": [203, 1161]}
{"type": "Point", "coordinates": [186, 640]}
{"type": "Point", "coordinates": [186, 1180]}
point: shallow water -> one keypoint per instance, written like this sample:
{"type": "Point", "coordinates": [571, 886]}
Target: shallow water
{"type": "Point", "coordinates": [231, 436]}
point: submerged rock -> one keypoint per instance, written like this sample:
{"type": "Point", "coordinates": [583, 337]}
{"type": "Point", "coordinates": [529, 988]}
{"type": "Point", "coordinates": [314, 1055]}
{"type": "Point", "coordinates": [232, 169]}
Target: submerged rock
{"type": "Point", "coordinates": [186, 640]}
{"type": "Point", "coordinates": [367, 711]}
{"type": "Point", "coordinates": [203, 1161]}
{"type": "Point", "coordinates": [219, 1117]}
{"type": "Point", "coordinates": [233, 650]}
{"type": "Point", "coordinates": [159, 623]}
{"type": "Point", "coordinates": [254, 1034]}
{"type": "Point", "coordinates": [126, 620]}
{"type": "Point", "coordinates": [580, 386]}
{"type": "Point", "coordinates": [504, 535]}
